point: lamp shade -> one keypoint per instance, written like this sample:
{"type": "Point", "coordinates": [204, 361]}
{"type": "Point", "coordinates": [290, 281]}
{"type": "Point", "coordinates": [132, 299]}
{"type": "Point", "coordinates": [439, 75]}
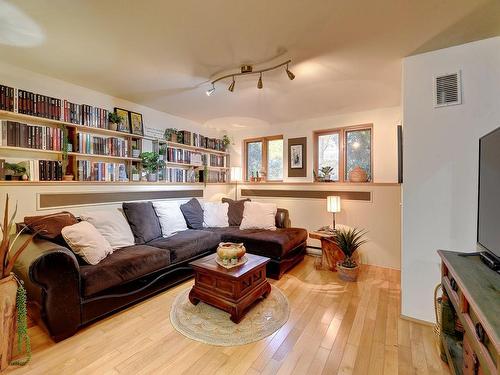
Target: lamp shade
{"type": "Point", "coordinates": [333, 203]}
{"type": "Point", "coordinates": [236, 174]}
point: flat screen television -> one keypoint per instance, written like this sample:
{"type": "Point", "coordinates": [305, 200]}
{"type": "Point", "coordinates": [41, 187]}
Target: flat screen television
{"type": "Point", "coordinates": [488, 218]}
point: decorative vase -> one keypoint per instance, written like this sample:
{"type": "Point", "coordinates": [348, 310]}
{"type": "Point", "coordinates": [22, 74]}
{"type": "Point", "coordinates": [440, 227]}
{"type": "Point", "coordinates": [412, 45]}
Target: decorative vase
{"type": "Point", "coordinates": [358, 174]}
{"type": "Point", "coordinates": [230, 250]}
{"type": "Point", "coordinates": [113, 126]}
{"type": "Point", "coordinates": [347, 273]}
{"type": "Point", "coordinates": [8, 292]}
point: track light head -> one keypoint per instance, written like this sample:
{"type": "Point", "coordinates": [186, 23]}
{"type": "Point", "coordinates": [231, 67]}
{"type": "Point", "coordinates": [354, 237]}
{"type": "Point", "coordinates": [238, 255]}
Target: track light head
{"type": "Point", "coordinates": [231, 86]}
{"type": "Point", "coordinates": [259, 84]}
{"type": "Point", "coordinates": [211, 91]}
{"type": "Point", "coordinates": [289, 73]}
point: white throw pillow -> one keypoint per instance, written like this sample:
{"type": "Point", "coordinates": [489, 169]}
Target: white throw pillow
{"type": "Point", "coordinates": [170, 217]}
{"type": "Point", "coordinates": [85, 240]}
{"type": "Point", "coordinates": [215, 215]}
{"type": "Point", "coordinates": [259, 216]}
{"type": "Point", "coordinates": [113, 226]}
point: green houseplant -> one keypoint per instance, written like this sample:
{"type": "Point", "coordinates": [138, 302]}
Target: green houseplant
{"type": "Point", "coordinates": [349, 240]}
{"type": "Point", "coordinates": [65, 147]}
{"type": "Point", "coordinates": [170, 134]}
{"type": "Point", "coordinates": [17, 169]}
{"type": "Point", "coordinates": [114, 119]}
{"type": "Point", "coordinates": [226, 141]}
{"type": "Point", "coordinates": [151, 163]}
{"type": "Point", "coordinates": [325, 173]}
{"type": "Point", "coordinates": [12, 294]}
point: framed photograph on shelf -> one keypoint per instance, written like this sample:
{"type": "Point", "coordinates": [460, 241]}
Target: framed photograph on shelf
{"type": "Point", "coordinates": [297, 157]}
{"type": "Point", "coordinates": [124, 125]}
{"type": "Point", "coordinates": [136, 126]}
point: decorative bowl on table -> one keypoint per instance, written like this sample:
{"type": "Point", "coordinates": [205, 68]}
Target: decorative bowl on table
{"type": "Point", "coordinates": [231, 254]}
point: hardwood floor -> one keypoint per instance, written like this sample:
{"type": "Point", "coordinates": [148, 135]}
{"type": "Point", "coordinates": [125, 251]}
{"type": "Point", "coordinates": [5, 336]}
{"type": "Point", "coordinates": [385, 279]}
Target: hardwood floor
{"type": "Point", "coordinates": [334, 328]}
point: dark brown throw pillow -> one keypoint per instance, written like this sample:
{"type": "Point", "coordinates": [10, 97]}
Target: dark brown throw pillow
{"type": "Point", "coordinates": [235, 212]}
{"type": "Point", "coordinates": [193, 213]}
{"type": "Point", "coordinates": [49, 226]}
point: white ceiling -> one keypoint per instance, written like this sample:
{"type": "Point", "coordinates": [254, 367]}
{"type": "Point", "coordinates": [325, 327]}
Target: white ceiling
{"type": "Point", "coordinates": [346, 54]}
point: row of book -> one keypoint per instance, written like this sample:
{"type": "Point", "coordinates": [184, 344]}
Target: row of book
{"type": "Point", "coordinates": [7, 98]}
{"type": "Point", "coordinates": [101, 171]}
{"type": "Point", "coordinates": [186, 137]}
{"type": "Point", "coordinates": [215, 176]}
{"type": "Point", "coordinates": [15, 134]}
{"type": "Point", "coordinates": [217, 160]}
{"type": "Point", "coordinates": [33, 104]}
{"type": "Point", "coordinates": [179, 175]}
{"type": "Point", "coordinates": [179, 155]}
{"type": "Point", "coordinates": [95, 145]}
{"type": "Point", "coordinates": [84, 114]}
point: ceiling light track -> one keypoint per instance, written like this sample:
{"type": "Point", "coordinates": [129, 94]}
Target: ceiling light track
{"type": "Point", "coordinates": [246, 70]}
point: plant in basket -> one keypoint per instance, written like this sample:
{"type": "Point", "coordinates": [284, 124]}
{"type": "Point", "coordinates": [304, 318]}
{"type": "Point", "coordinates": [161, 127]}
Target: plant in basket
{"type": "Point", "coordinates": [12, 294]}
{"type": "Point", "coordinates": [349, 240]}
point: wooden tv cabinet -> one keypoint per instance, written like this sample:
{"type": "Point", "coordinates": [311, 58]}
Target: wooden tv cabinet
{"type": "Point", "coordinates": [471, 294]}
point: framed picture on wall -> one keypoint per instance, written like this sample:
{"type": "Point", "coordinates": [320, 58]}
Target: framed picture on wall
{"type": "Point", "coordinates": [136, 126]}
{"type": "Point", "coordinates": [124, 125]}
{"type": "Point", "coordinates": [296, 152]}
{"type": "Point", "coordinates": [297, 157]}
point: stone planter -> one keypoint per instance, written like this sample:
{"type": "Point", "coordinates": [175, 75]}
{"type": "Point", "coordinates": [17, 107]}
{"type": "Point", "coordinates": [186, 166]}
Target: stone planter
{"type": "Point", "coordinates": [151, 177]}
{"type": "Point", "coordinates": [346, 273]}
{"type": "Point", "coordinates": [8, 292]}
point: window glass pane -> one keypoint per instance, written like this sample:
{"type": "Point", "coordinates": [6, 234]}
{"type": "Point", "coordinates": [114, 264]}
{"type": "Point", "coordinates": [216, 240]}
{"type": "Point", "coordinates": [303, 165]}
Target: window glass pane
{"type": "Point", "coordinates": [328, 156]}
{"type": "Point", "coordinates": [254, 158]}
{"type": "Point", "coordinates": [275, 159]}
{"type": "Point", "coordinates": [358, 151]}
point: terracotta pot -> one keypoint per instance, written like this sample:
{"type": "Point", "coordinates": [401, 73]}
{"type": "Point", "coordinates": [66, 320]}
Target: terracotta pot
{"type": "Point", "coordinates": [229, 250]}
{"type": "Point", "coordinates": [358, 174]}
{"type": "Point", "coordinates": [8, 292]}
{"type": "Point", "coordinates": [346, 273]}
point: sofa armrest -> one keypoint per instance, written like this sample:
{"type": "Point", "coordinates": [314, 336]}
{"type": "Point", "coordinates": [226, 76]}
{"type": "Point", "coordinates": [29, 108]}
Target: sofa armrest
{"type": "Point", "coordinates": [51, 275]}
{"type": "Point", "coordinates": [282, 218]}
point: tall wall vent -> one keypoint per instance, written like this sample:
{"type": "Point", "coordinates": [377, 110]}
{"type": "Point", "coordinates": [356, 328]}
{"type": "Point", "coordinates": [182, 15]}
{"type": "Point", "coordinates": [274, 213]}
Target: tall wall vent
{"type": "Point", "coordinates": [448, 90]}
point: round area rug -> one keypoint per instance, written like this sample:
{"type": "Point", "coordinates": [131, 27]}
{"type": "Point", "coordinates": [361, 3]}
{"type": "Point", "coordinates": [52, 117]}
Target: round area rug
{"type": "Point", "coordinates": [210, 325]}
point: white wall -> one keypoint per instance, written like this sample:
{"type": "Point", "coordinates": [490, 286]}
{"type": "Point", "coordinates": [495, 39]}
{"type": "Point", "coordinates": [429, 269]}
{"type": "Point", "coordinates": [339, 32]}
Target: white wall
{"type": "Point", "coordinates": [441, 162]}
{"type": "Point", "coordinates": [384, 120]}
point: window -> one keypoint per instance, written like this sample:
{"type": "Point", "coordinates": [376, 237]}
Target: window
{"type": "Point", "coordinates": [264, 158]}
{"type": "Point", "coordinates": [339, 151]}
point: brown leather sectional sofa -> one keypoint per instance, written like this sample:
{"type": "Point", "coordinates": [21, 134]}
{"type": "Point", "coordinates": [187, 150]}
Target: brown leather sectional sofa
{"type": "Point", "coordinates": [66, 293]}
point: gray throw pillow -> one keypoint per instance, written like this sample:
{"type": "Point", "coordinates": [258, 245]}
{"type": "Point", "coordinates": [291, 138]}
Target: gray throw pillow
{"type": "Point", "coordinates": [143, 221]}
{"type": "Point", "coordinates": [193, 213]}
{"type": "Point", "coordinates": [235, 212]}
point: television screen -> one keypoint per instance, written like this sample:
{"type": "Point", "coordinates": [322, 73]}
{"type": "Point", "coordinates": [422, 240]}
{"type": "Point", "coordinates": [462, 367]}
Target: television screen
{"type": "Point", "coordinates": [488, 223]}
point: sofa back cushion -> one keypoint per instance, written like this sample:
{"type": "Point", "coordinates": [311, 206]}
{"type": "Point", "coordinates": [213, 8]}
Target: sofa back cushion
{"type": "Point", "coordinates": [259, 216]}
{"type": "Point", "coordinates": [113, 226]}
{"type": "Point", "coordinates": [170, 217]}
{"type": "Point", "coordinates": [235, 212]}
{"type": "Point", "coordinates": [193, 213]}
{"type": "Point", "coordinates": [49, 226]}
{"type": "Point", "coordinates": [215, 215]}
{"type": "Point", "coordinates": [143, 221]}
{"type": "Point", "coordinates": [85, 240]}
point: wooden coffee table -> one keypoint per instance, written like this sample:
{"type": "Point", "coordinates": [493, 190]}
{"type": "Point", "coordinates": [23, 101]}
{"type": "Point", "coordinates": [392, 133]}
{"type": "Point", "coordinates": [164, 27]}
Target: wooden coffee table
{"type": "Point", "coordinates": [233, 290]}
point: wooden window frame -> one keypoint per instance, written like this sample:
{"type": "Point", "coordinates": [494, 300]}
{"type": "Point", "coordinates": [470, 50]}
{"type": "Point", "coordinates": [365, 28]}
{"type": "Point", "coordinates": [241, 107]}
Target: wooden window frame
{"type": "Point", "coordinates": [264, 141]}
{"type": "Point", "coordinates": [342, 132]}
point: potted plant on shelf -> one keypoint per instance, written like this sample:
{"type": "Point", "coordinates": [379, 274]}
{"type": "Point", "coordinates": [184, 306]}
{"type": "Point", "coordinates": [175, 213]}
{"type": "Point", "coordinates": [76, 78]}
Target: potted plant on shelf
{"type": "Point", "coordinates": [135, 151]}
{"type": "Point", "coordinates": [114, 119]}
{"type": "Point", "coordinates": [170, 134]}
{"type": "Point", "coordinates": [151, 163]}
{"type": "Point", "coordinates": [18, 170]}
{"type": "Point", "coordinates": [226, 141]}
{"type": "Point", "coordinates": [135, 174]}
{"type": "Point", "coordinates": [65, 147]}
{"type": "Point", "coordinates": [12, 295]}
{"type": "Point", "coordinates": [349, 240]}
{"type": "Point", "coordinates": [163, 152]}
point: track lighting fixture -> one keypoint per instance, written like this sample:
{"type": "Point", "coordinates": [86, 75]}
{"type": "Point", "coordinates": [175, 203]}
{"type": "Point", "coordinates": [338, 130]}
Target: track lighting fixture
{"type": "Point", "coordinates": [289, 73]}
{"type": "Point", "coordinates": [231, 86]}
{"type": "Point", "coordinates": [211, 91]}
{"type": "Point", "coordinates": [248, 70]}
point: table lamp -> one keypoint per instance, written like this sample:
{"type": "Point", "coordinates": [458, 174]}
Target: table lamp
{"type": "Point", "coordinates": [333, 206]}
{"type": "Point", "coordinates": [236, 176]}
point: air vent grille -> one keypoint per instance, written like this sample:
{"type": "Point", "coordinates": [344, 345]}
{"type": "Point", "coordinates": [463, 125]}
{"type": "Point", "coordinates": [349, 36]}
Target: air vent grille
{"type": "Point", "coordinates": [447, 90]}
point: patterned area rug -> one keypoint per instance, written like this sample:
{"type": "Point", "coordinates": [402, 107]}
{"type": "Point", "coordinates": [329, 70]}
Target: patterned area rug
{"type": "Point", "coordinates": [212, 326]}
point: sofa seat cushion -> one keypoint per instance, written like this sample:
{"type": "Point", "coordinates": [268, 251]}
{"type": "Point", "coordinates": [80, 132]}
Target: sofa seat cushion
{"type": "Point", "coordinates": [188, 243]}
{"type": "Point", "coordinates": [274, 244]}
{"type": "Point", "coordinates": [124, 265]}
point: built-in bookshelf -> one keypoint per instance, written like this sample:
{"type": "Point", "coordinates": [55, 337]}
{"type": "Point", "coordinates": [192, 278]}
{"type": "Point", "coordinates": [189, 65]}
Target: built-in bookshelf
{"type": "Point", "coordinates": [100, 154]}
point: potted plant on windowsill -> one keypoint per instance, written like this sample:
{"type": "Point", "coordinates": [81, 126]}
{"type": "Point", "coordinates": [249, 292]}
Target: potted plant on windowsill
{"type": "Point", "coordinates": [114, 119]}
{"type": "Point", "coordinates": [325, 174]}
{"type": "Point", "coordinates": [151, 163]}
{"type": "Point", "coordinates": [12, 295]}
{"type": "Point", "coordinates": [349, 240]}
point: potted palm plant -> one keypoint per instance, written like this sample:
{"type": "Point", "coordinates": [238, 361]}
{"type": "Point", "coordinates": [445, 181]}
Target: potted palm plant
{"type": "Point", "coordinates": [12, 294]}
{"type": "Point", "coordinates": [349, 240]}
